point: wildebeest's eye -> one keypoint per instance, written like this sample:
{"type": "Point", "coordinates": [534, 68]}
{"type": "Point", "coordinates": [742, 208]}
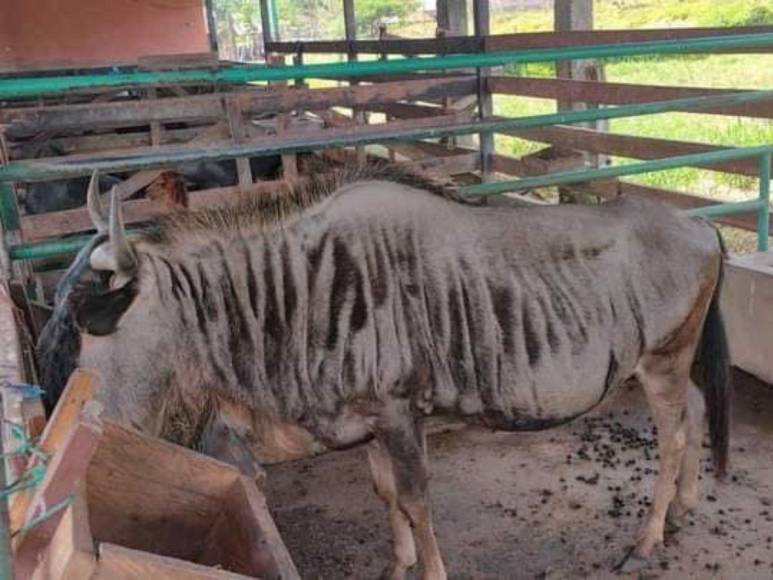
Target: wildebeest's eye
{"type": "Point", "coordinates": [98, 312]}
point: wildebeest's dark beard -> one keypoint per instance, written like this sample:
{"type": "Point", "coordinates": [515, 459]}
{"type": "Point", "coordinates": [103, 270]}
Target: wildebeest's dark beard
{"type": "Point", "coordinates": [59, 344]}
{"type": "Point", "coordinates": [57, 352]}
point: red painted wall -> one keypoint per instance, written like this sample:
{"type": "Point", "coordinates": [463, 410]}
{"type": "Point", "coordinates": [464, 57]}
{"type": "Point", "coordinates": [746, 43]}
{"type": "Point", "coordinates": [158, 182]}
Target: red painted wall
{"type": "Point", "coordinates": [46, 34]}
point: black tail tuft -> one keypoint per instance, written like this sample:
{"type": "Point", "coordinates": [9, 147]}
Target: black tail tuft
{"type": "Point", "coordinates": [715, 379]}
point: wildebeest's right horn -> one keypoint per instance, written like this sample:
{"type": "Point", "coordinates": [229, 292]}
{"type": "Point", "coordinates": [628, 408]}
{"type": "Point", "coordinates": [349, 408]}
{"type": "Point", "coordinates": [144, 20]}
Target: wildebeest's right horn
{"type": "Point", "coordinates": [123, 253]}
{"type": "Point", "coordinates": [96, 213]}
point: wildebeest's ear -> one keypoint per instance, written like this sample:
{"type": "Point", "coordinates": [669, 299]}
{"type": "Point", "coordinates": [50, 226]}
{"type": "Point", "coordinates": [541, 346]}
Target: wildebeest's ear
{"type": "Point", "coordinates": [98, 313]}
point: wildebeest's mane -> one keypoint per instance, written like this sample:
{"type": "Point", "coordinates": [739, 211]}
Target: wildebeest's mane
{"type": "Point", "coordinates": [256, 210]}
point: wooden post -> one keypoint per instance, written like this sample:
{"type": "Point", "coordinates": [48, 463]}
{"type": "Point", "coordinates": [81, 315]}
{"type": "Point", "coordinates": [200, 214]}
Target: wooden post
{"type": "Point", "coordinates": [350, 30]}
{"type": "Point", "coordinates": [452, 17]}
{"type": "Point", "coordinates": [452, 20]}
{"type": "Point", "coordinates": [289, 160]}
{"type": "Point", "coordinates": [577, 15]}
{"type": "Point", "coordinates": [485, 101]}
{"type": "Point", "coordinates": [238, 135]}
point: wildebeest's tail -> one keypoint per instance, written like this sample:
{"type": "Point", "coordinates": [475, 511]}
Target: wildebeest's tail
{"type": "Point", "coordinates": [715, 379]}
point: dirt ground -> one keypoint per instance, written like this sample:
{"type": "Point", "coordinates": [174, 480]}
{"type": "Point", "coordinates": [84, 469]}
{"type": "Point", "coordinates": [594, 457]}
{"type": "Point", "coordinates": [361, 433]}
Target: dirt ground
{"type": "Point", "coordinates": [564, 503]}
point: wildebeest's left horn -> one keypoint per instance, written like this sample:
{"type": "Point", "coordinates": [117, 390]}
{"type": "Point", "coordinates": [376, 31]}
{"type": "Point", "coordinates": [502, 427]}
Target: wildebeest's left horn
{"type": "Point", "coordinates": [96, 213]}
{"type": "Point", "coordinates": [117, 256]}
{"type": "Point", "coordinates": [124, 255]}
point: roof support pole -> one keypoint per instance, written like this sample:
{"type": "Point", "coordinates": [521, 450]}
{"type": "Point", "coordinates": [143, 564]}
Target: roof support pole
{"type": "Point", "coordinates": [485, 102]}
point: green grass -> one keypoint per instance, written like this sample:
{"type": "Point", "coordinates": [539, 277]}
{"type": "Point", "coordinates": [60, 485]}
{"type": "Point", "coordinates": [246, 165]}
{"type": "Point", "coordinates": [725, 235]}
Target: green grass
{"type": "Point", "coordinates": [736, 71]}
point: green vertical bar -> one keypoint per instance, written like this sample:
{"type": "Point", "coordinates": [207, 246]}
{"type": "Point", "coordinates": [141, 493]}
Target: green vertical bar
{"type": "Point", "coordinates": [763, 217]}
{"type": "Point", "coordinates": [9, 213]}
{"type": "Point", "coordinates": [273, 17]}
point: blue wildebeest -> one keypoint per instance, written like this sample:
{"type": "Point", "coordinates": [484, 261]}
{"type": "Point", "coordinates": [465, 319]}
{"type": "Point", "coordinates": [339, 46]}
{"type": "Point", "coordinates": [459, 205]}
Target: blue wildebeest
{"type": "Point", "coordinates": [346, 310]}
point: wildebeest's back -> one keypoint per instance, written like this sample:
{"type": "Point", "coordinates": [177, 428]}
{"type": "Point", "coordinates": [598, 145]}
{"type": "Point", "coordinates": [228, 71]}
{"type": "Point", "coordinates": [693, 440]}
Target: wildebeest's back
{"type": "Point", "coordinates": [527, 316]}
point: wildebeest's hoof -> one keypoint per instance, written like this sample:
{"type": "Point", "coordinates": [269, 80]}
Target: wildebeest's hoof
{"type": "Point", "coordinates": [676, 518]}
{"type": "Point", "coordinates": [393, 572]}
{"type": "Point", "coordinates": [631, 562]}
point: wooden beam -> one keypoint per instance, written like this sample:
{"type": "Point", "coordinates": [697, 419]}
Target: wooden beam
{"type": "Point", "coordinates": [607, 93]}
{"type": "Point", "coordinates": [613, 188]}
{"type": "Point", "coordinates": [458, 45]}
{"type": "Point", "coordinates": [60, 118]}
{"type": "Point", "coordinates": [532, 40]}
{"type": "Point", "coordinates": [529, 40]}
{"type": "Point", "coordinates": [63, 474]}
{"type": "Point", "coordinates": [79, 390]}
{"type": "Point", "coordinates": [645, 148]}
{"type": "Point", "coordinates": [121, 562]}
{"type": "Point", "coordinates": [71, 553]}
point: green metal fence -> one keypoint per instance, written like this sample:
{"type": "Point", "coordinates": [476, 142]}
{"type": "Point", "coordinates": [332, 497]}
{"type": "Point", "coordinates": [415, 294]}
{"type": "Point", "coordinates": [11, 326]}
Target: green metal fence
{"type": "Point", "coordinates": [31, 87]}
{"type": "Point", "coordinates": [28, 171]}
{"type": "Point", "coordinates": [761, 205]}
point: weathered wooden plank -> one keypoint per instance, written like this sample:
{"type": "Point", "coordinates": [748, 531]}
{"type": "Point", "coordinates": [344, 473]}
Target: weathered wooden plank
{"type": "Point", "coordinates": [107, 141]}
{"type": "Point", "coordinates": [509, 165]}
{"type": "Point", "coordinates": [32, 120]}
{"type": "Point", "coordinates": [447, 45]}
{"type": "Point", "coordinates": [408, 110]}
{"type": "Point", "coordinates": [607, 93]}
{"type": "Point", "coordinates": [63, 475]}
{"type": "Point", "coordinates": [42, 226]}
{"type": "Point", "coordinates": [136, 482]}
{"type": "Point", "coordinates": [238, 135]}
{"type": "Point", "coordinates": [613, 188]}
{"type": "Point", "coordinates": [71, 553]}
{"type": "Point", "coordinates": [244, 537]}
{"type": "Point", "coordinates": [533, 40]}
{"type": "Point", "coordinates": [120, 563]}
{"type": "Point", "coordinates": [502, 42]}
{"type": "Point", "coordinates": [178, 61]}
{"type": "Point", "coordinates": [645, 148]}
{"type": "Point", "coordinates": [77, 393]}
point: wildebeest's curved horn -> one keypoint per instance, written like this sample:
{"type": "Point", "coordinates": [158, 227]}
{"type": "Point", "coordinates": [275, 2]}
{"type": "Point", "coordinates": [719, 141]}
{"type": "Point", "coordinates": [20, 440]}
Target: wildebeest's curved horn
{"type": "Point", "coordinates": [96, 213]}
{"type": "Point", "coordinates": [124, 256]}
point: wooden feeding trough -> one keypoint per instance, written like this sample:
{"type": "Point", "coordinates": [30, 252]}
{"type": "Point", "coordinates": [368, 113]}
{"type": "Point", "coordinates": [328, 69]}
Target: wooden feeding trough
{"type": "Point", "coordinates": [118, 504]}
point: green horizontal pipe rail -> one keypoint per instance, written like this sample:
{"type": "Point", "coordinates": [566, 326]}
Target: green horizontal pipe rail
{"type": "Point", "coordinates": [33, 251]}
{"type": "Point", "coordinates": [761, 205]}
{"type": "Point", "coordinates": [725, 209]}
{"type": "Point", "coordinates": [48, 249]}
{"type": "Point", "coordinates": [578, 176]}
{"type": "Point", "coordinates": [29, 87]}
{"type": "Point", "coordinates": [36, 170]}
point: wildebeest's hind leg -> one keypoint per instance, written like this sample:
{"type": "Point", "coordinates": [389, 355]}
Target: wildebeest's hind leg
{"type": "Point", "coordinates": [400, 436]}
{"type": "Point", "coordinates": [687, 483]}
{"type": "Point", "coordinates": [403, 547]}
{"type": "Point", "coordinates": [665, 378]}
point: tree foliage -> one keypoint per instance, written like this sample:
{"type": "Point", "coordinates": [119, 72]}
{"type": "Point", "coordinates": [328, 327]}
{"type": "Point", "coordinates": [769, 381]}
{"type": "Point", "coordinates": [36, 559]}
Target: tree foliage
{"type": "Point", "coordinates": [371, 13]}
{"type": "Point", "coordinates": [239, 24]}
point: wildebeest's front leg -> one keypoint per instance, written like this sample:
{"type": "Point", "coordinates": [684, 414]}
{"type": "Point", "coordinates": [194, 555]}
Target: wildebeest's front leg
{"type": "Point", "coordinates": [403, 547]}
{"type": "Point", "coordinates": [400, 436]}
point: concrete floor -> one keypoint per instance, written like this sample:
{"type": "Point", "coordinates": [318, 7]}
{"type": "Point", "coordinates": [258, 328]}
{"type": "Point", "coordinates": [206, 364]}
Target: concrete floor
{"type": "Point", "coordinates": [563, 503]}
